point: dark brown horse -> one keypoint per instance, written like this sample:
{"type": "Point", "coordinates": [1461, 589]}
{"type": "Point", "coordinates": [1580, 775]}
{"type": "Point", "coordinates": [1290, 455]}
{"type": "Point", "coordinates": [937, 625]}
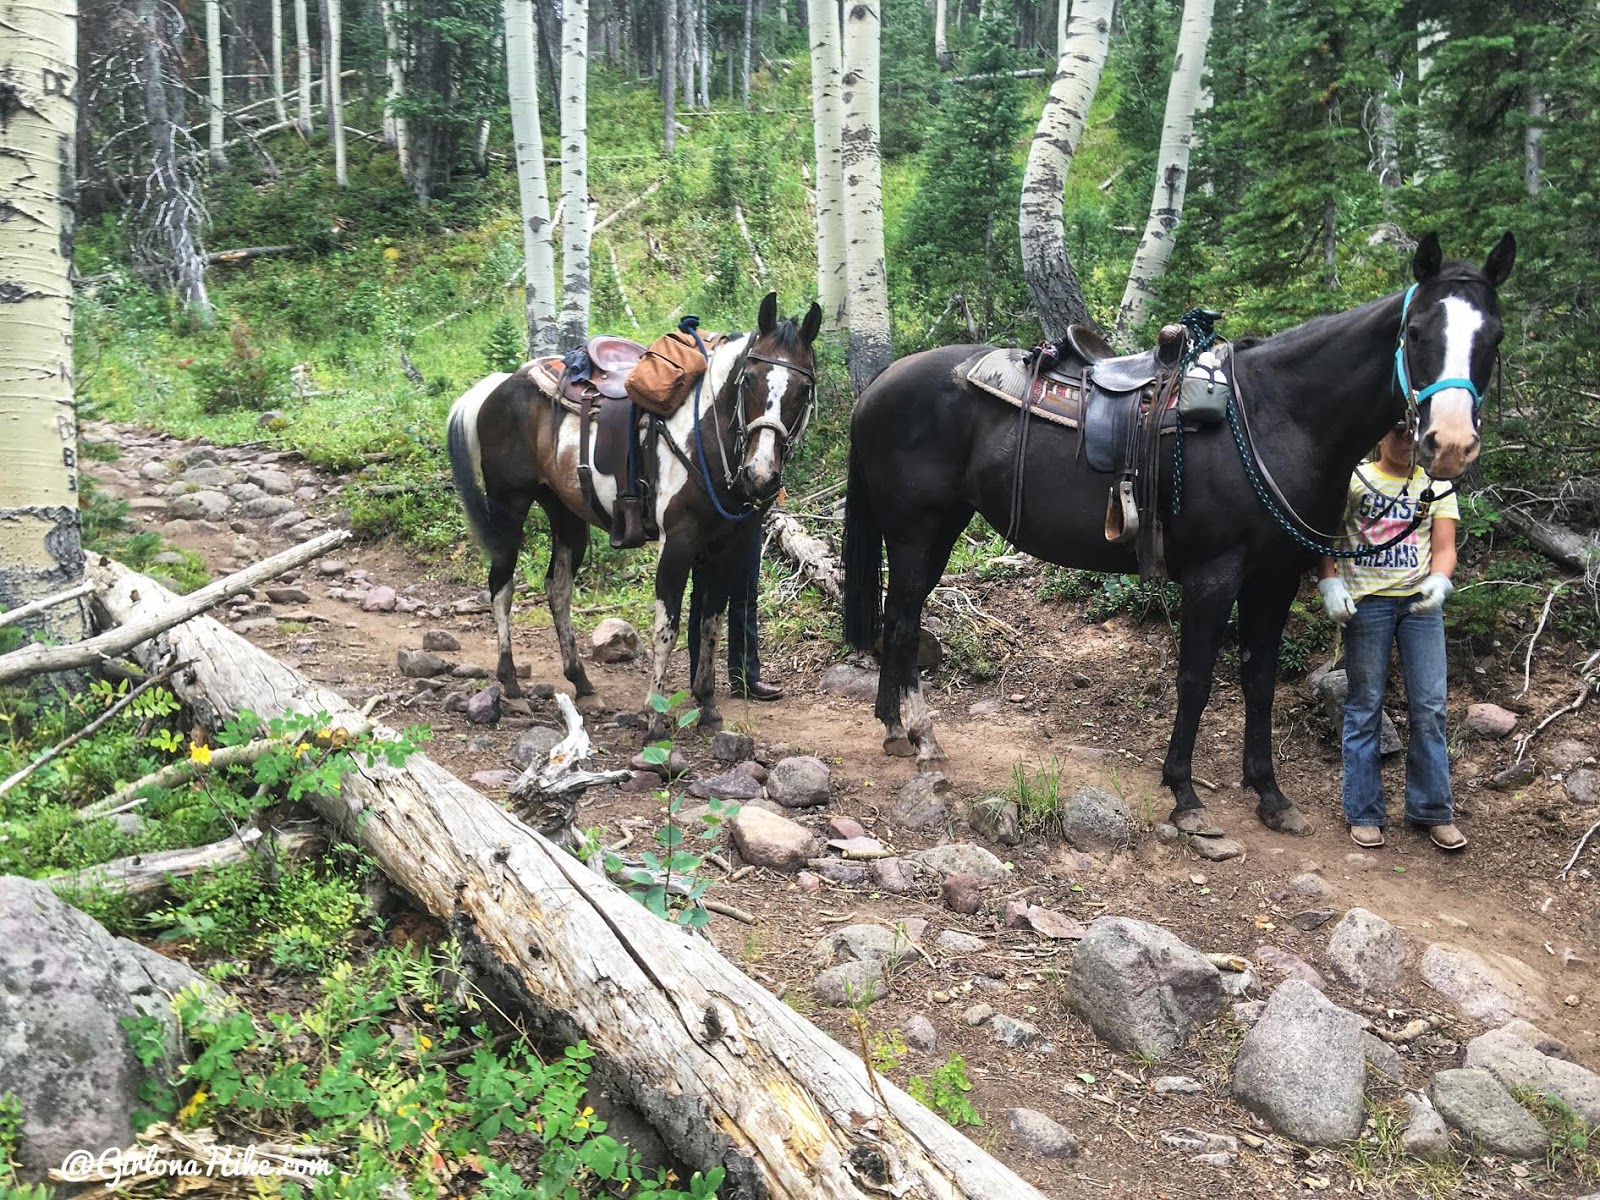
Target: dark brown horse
{"type": "Point", "coordinates": [927, 451]}
{"type": "Point", "coordinates": [718, 465]}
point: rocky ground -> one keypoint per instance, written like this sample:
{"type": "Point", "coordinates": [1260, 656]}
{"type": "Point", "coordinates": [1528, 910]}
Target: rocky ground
{"type": "Point", "coordinates": [1140, 1014]}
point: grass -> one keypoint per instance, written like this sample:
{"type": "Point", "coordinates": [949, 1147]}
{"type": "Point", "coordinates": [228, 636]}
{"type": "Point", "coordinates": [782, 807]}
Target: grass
{"type": "Point", "coordinates": [1037, 794]}
{"type": "Point", "coordinates": [1376, 1158]}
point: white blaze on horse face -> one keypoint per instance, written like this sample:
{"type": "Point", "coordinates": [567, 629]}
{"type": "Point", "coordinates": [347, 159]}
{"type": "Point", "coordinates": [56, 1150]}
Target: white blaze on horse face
{"type": "Point", "coordinates": [764, 461]}
{"type": "Point", "coordinates": [1454, 440]}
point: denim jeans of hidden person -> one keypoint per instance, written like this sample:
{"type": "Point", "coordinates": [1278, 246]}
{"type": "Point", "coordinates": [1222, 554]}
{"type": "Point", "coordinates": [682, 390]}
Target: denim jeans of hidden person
{"type": "Point", "coordinates": [744, 658]}
{"type": "Point", "coordinates": [1380, 623]}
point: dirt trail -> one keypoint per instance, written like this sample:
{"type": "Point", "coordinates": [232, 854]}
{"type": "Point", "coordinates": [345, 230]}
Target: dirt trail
{"type": "Point", "coordinates": [1500, 897]}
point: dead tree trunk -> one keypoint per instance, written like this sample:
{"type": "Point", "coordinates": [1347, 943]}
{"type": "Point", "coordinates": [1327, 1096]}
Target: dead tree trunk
{"type": "Point", "coordinates": [728, 1074]}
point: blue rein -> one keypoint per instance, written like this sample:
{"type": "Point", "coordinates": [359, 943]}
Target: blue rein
{"type": "Point", "coordinates": [1403, 377]}
{"type": "Point", "coordinates": [699, 439]}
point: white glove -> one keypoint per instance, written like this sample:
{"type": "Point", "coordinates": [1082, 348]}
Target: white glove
{"type": "Point", "coordinates": [1430, 596]}
{"type": "Point", "coordinates": [1336, 599]}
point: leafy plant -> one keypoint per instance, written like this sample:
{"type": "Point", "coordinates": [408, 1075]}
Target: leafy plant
{"type": "Point", "coordinates": [945, 1091]}
{"type": "Point", "coordinates": [653, 883]}
{"type": "Point", "coordinates": [245, 377]}
{"type": "Point", "coordinates": [1037, 794]}
{"type": "Point", "coordinates": [888, 1051]}
{"type": "Point", "coordinates": [505, 348]}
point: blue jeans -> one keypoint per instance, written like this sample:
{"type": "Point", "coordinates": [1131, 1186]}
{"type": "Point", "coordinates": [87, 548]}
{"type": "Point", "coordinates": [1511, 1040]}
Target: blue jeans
{"type": "Point", "coordinates": [1379, 623]}
{"type": "Point", "coordinates": [744, 658]}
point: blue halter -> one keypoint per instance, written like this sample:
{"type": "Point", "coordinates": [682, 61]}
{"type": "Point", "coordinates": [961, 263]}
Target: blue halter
{"type": "Point", "coordinates": [1403, 377]}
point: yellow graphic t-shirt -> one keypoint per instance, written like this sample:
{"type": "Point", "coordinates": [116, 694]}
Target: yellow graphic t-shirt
{"type": "Point", "coordinates": [1375, 512]}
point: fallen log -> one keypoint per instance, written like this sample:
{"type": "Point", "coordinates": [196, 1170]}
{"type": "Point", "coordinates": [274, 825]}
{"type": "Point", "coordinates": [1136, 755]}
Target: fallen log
{"type": "Point", "coordinates": [727, 1074]}
{"type": "Point", "coordinates": [817, 564]}
{"type": "Point", "coordinates": [1559, 544]}
{"type": "Point", "coordinates": [144, 874]}
{"type": "Point", "coordinates": [37, 660]}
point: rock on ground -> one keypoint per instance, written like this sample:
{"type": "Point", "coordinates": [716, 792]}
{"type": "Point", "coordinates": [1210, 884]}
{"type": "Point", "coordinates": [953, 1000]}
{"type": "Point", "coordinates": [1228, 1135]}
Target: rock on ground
{"type": "Point", "coordinates": [1474, 1102]}
{"type": "Point", "coordinates": [1291, 966]}
{"type": "Point", "coordinates": [850, 984]}
{"type": "Point", "coordinates": [1490, 720]}
{"type": "Point", "coordinates": [841, 679]}
{"type": "Point", "coordinates": [1425, 1136]}
{"type": "Point", "coordinates": [1493, 988]}
{"type": "Point", "coordinates": [614, 641]}
{"type": "Point", "coordinates": [535, 745]}
{"type": "Point", "coordinates": [1141, 989]}
{"type": "Point", "coordinates": [1041, 1134]}
{"type": "Point", "coordinates": [1367, 952]}
{"type": "Point", "coordinates": [65, 986]}
{"type": "Point", "coordinates": [864, 943]}
{"type": "Point", "coordinates": [920, 804]}
{"type": "Point", "coordinates": [961, 858]}
{"type": "Point", "coordinates": [803, 781]}
{"type": "Point", "coordinates": [1302, 1067]}
{"type": "Point", "coordinates": [765, 839]}
{"type": "Point", "coordinates": [1512, 1056]}
{"type": "Point", "coordinates": [920, 1033]}
{"type": "Point", "coordinates": [1096, 820]}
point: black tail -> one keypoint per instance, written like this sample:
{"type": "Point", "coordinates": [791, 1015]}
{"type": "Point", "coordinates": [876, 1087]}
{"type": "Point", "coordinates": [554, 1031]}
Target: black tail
{"type": "Point", "coordinates": [863, 561]}
{"type": "Point", "coordinates": [499, 537]}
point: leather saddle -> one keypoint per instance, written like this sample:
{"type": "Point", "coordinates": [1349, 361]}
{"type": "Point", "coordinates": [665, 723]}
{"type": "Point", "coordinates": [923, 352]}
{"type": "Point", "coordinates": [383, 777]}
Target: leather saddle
{"type": "Point", "coordinates": [592, 383]}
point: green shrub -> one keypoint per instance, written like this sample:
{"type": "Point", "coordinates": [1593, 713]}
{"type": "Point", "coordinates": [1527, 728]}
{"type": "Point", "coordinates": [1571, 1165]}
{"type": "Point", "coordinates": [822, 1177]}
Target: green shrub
{"type": "Point", "coordinates": [246, 377]}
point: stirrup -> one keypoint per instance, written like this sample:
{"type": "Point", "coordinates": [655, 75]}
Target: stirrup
{"type": "Point", "coordinates": [1122, 514]}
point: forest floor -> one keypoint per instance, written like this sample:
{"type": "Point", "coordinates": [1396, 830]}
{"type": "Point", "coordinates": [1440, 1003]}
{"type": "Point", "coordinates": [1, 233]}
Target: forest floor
{"type": "Point", "coordinates": [1097, 701]}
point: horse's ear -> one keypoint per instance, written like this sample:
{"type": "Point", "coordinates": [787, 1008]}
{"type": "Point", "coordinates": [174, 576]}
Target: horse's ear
{"type": "Point", "coordinates": [812, 324]}
{"type": "Point", "coordinates": [1498, 267]}
{"type": "Point", "coordinates": [767, 321]}
{"type": "Point", "coordinates": [1428, 259]}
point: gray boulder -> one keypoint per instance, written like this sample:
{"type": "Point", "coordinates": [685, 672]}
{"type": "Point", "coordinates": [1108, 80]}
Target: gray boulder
{"type": "Point", "coordinates": [803, 781]}
{"type": "Point", "coordinates": [842, 679]}
{"type": "Point", "coordinates": [920, 804]}
{"type": "Point", "coordinates": [535, 745]}
{"type": "Point", "coordinates": [1493, 988]}
{"type": "Point", "coordinates": [765, 839]}
{"type": "Point", "coordinates": [1425, 1136]}
{"type": "Point", "coordinates": [1302, 1067]}
{"type": "Point", "coordinates": [1474, 1102]}
{"type": "Point", "coordinates": [1096, 820]}
{"type": "Point", "coordinates": [864, 943]}
{"type": "Point", "coordinates": [961, 858]}
{"type": "Point", "coordinates": [851, 984]}
{"type": "Point", "coordinates": [65, 987]}
{"type": "Point", "coordinates": [1043, 1135]}
{"type": "Point", "coordinates": [1367, 952]}
{"type": "Point", "coordinates": [1141, 989]}
{"type": "Point", "coordinates": [614, 641]}
{"type": "Point", "coordinates": [1512, 1055]}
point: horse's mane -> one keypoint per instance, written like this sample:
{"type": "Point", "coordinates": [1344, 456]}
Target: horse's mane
{"type": "Point", "coordinates": [787, 333]}
{"type": "Point", "coordinates": [1452, 271]}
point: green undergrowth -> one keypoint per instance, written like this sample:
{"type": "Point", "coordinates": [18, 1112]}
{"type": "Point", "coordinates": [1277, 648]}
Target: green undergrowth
{"type": "Point", "coordinates": [396, 1081]}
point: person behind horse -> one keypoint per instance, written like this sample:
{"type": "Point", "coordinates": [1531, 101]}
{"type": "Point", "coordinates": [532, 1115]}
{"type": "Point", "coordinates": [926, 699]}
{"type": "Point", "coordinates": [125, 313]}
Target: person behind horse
{"type": "Point", "coordinates": [1395, 595]}
{"type": "Point", "coordinates": [744, 652]}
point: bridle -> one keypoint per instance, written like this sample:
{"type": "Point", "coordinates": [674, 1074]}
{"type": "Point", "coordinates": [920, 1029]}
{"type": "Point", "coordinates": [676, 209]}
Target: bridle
{"type": "Point", "coordinates": [1277, 504]}
{"type": "Point", "coordinates": [743, 429]}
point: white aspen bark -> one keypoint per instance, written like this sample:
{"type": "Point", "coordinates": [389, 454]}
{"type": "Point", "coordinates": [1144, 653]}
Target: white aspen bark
{"type": "Point", "coordinates": [175, 213]}
{"type": "Point", "coordinates": [669, 75]}
{"type": "Point", "coordinates": [575, 171]}
{"type": "Point", "coordinates": [279, 108]}
{"type": "Point", "coordinates": [214, 99]}
{"type": "Point", "coordinates": [826, 72]}
{"type": "Point", "coordinates": [686, 52]}
{"type": "Point", "coordinates": [538, 254]}
{"type": "Point", "coordinates": [333, 89]}
{"type": "Point", "coordinates": [395, 132]}
{"type": "Point", "coordinates": [1533, 140]}
{"type": "Point", "coordinates": [1063, 18]}
{"type": "Point", "coordinates": [1045, 264]}
{"type": "Point", "coordinates": [1388, 145]}
{"type": "Point", "coordinates": [1430, 32]}
{"type": "Point", "coordinates": [704, 38]}
{"type": "Point", "coordinates": [302, 51]}
{"type": "Point", "coordinates": [941, 41]}
{"type": "Point", "coordinates": [1172, 166]}
{"type": "Point", "coordinates": [744, 67]}
{"type": "Point", "coordinates": [870, 347]}
{"type": "Point", "coordinates": [41, 549]}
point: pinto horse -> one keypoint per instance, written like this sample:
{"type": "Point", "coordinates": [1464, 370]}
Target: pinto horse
{"type": "Point", "coordinates": [719, 461]}
{"type": "Point", "coordinates": [927, 451]}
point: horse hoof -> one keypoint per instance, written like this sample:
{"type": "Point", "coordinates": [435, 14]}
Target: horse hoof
{"type": "Point", "coordinates": [710, 719]}
{"type": "Point", "coordinates": [581, 687]}
{"type": "Point", "coordinates": [899, 747]}
{"type": "Point", "coordinates": [1288, 820]}
{"type": "Point", "coordinates": [930, 755]}
{"type": "Point", "coordinates": [1196, 822]}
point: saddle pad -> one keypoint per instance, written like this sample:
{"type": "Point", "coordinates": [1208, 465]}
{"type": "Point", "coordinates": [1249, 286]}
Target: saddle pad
{"type": "Point", "coordinates": [1004, 375]}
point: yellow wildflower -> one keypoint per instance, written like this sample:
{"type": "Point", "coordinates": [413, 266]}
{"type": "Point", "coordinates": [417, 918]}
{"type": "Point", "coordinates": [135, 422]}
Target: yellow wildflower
{"type": "Point", "coordinates": [301, 750]}
{"type": "Point", "coordinates": [391, 253]}
{"type": "Point", "coordinates": [200, 753]}
{"type": "Point", "coordinates": [189, 1109]}
{"type": "Point", "coordinates": [427, 1042]}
